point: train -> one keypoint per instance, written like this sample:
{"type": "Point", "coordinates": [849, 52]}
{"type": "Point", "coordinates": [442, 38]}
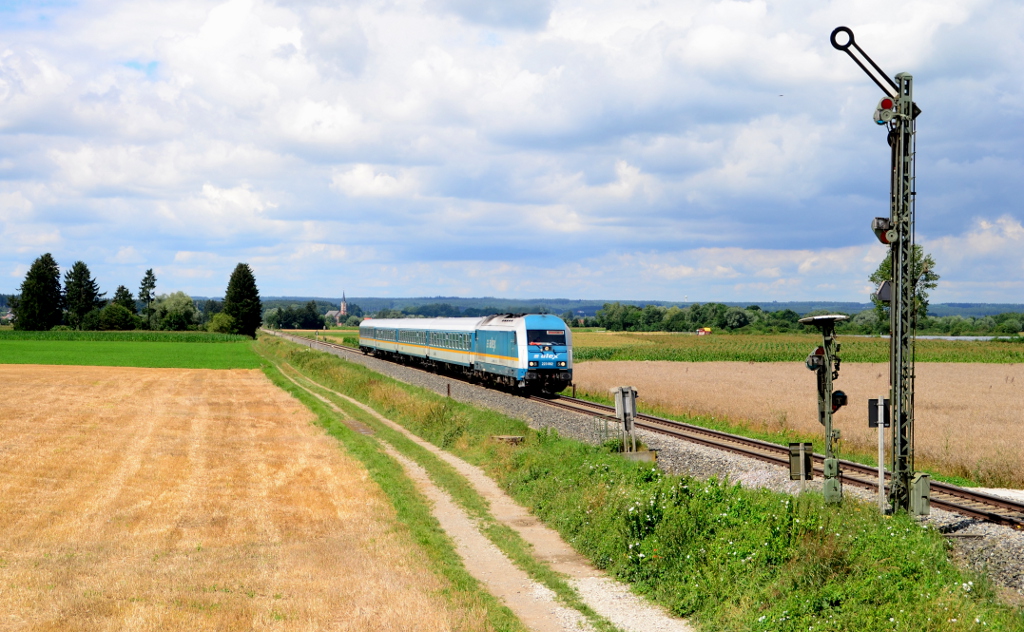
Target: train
{"type": "Point", "coordinates": [531, 353]}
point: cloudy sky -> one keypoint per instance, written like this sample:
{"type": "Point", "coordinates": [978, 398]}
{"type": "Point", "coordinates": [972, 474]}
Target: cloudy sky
{"type": "Point", "coordinates": [677, 150]}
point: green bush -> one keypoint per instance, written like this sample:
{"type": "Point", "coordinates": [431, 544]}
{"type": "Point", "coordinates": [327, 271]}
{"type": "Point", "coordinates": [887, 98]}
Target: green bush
{"type": "Point", "coordinates": [221, 323]}
{"type": "Point", "coordinates": [116, 317]}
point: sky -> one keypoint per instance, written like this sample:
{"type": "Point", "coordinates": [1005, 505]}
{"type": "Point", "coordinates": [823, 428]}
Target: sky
{"type": "Point", "coordinates": [678, 150]}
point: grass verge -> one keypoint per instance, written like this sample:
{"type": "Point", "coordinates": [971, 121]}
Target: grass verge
{"type": "Point", "coordinates": [411, 508]}
{"type": "Point", "coordinates": [443, 475]}
{"type": "Point", "coordinates": [729, 558]}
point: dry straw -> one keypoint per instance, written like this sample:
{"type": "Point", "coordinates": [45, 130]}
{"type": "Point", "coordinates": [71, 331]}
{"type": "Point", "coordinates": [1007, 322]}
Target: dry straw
{"type": "Point", "coordinates": [969, 417]}
{"type": "Point", "coordinates": [162, 499]}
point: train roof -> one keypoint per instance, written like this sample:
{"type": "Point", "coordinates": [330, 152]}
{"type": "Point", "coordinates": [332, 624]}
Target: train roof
{"type": "Point", "coordinates": [499, 321]}
{"type": "Point", "coordinates": [433, 324]}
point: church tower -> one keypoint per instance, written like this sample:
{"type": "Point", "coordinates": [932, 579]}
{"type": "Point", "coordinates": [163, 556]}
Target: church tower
{"type": "Point", "coordinates": [344, 306]}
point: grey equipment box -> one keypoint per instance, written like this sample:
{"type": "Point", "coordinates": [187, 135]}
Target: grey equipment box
{"type": "Point", "coordinates": [920, 494]}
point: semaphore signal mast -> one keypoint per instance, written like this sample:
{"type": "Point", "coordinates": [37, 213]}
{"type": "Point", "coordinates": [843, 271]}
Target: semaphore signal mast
{"type": "Point", "coordinates": [898, 112]}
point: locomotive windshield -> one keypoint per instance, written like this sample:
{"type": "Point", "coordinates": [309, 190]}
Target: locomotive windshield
{"type": "Point", "coordinates": [546, 337]}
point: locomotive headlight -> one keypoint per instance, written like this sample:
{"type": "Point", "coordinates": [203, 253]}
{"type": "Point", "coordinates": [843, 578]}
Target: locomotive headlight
{"type": "Point", "coordinates": [562, 363]}
{"type": "Point", "coordinates": [533, 363]}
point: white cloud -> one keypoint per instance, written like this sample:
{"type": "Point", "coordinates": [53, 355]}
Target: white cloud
{"type": "Point", "coordinates": [222, 213]}
{"type": "Point", "coordinates": [365, 181]}
{"type": "Point", "coordinates": [14, 206]}
{"type": "Point", "coordinates": [128, 255]}
{"type": "Point", "coordinates": [401, 141]}
{"type": "Point", "coordinates": [987, 239]}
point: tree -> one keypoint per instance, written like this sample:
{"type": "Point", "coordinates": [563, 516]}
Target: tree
{"type": "Point", "coordinates": [39, 306]}
{"type": "Point", "coordinates": [221, 323]}
{"type": "Point", "coordinates": [922, 277]}
{"type": "Point", "coordinates": [175, 312]}
{"type": "Point", "coordinates": [81, 294]}
{"type": "Point", "coordinates": [311, 318]}
{"type": "Point", "coordinates": [116, 316]}
{"type": "Point", "coordinates": [735, 318]}
{"type": "Point", "coordinates": [211, 308]}
{"type": "Point", "coordinates": [146, 294]}
{"type": "Point", "coordinates": [124, 298]}
{"type": "Point", "coordinates": [242, 301]}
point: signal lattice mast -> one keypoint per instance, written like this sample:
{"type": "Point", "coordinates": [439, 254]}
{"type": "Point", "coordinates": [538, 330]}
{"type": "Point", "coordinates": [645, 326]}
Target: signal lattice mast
{"type": "Point", "coordinates": [898, 111]}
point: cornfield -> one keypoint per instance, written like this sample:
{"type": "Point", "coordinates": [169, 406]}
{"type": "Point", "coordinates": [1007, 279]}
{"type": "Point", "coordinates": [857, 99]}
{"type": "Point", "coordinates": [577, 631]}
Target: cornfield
{"type": "Point", "coordinates": [779, 348]}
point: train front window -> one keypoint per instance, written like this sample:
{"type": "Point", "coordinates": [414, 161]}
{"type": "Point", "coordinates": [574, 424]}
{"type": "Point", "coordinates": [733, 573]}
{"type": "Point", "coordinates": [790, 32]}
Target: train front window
{"type": "Point", "coordinates": [546, 337]}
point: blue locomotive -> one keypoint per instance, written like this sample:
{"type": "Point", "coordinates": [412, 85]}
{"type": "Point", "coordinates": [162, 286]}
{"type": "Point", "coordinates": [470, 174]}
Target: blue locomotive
{"type": "Point", "coordinates": [528, 351]}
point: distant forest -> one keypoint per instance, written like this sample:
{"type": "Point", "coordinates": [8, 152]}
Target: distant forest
{"type": "Point", "coordinates": [865, 318]}
{"type": "Point", "coordinates": [435, 306]}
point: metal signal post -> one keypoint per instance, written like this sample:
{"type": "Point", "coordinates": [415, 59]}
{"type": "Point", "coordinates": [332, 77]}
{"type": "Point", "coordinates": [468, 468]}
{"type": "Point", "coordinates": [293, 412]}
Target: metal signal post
{"type": "Point", "coordinates": [824, 361]}
{"type": "Point", "coordinates": [898, 112]}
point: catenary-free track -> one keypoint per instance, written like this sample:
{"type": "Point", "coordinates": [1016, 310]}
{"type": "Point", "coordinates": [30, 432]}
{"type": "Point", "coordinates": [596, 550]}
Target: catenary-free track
{"type": "Point", "coordinates": [943, 495]}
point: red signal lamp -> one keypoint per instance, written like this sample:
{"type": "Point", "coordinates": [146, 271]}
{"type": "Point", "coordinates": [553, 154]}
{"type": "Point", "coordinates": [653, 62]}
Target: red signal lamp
{"type": "Point", "coordinates": [885, 111]}
{"type": "Point", "coordinates": [883, 229]}
{"type": "Point", "coordinates": [816, 360]}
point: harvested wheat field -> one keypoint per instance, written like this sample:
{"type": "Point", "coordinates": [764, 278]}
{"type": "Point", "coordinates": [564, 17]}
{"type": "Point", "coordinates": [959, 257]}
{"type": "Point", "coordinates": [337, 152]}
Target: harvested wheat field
{"type": "Point", "coordinates": [969, 417]}
{"type": "Point", "coordinates": [169, 499]}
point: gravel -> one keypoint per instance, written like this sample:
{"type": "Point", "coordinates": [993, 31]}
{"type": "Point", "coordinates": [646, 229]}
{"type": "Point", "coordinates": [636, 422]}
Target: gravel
{"type": "Point", "coordinates": [986, 548]}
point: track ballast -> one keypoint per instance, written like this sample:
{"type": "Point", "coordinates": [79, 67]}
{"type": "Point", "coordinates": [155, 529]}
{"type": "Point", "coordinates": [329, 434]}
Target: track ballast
{"type": "Point", "coordinates": [943, 495]}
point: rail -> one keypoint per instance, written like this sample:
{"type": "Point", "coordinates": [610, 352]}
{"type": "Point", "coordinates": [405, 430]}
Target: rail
{"type": "Point", "coordinates": [944, 496]}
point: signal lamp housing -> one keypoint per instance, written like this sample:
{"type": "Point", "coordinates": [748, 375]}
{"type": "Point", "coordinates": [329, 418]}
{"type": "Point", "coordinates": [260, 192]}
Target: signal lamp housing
{"type": "Point", "coordinates": [884, 292]}
{"type": "Point", "coordinates": [883, 229]}
{"type": "Point", "coordinates": [839, 400]}
{"type": "Point", "coordinates": [816, 360]}
{"type": "Point", "coordinates": [885, 111]}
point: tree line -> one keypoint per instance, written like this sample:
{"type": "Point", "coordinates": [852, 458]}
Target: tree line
{"type": "Point", "coordinates": [753, 319]}
{"type": "Point", "coordinates": [44, 304]}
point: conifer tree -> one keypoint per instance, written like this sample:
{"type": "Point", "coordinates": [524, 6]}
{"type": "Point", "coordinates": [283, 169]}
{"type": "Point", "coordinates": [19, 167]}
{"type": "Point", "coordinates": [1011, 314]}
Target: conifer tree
{"type": "Point", "coordinates": [147, 295]}
{"type": "Point", "coordinates": [124, 298]}
{"type": "Point", "coordinates": [81, 294]}
{"type": "Point", "coordinates": [38, 308]}
{"type": "Point", "coordinates": [242, 301]}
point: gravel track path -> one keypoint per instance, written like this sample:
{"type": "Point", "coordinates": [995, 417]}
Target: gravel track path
{"type": "Point", "coordinates": [994, 550]}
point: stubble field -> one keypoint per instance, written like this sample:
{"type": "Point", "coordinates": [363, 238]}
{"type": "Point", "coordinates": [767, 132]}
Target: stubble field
{"type": "Point", "coordinates": [969, 416]}
{"type": "Point", "coordinates": [165, 499]}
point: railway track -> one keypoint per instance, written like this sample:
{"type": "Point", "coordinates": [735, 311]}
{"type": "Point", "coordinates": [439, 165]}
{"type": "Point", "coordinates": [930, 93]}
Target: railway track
{"type": "Point", "coordinates": [943, 495]}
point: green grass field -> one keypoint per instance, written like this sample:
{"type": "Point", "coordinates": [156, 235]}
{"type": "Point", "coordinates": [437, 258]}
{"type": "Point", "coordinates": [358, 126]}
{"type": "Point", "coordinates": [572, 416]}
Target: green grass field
{"type": "Point", "coordinates": [180, 355]}
{"type": "Point", "coordinates": [122, 336]}
{"type": "Point", "coordinates": [777, 348]}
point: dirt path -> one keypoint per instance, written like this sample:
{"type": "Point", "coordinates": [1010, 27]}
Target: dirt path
{"type": "Point", "coordinates": [607, 597]}
{"type": "Point", "coordinates": [168, 499]}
